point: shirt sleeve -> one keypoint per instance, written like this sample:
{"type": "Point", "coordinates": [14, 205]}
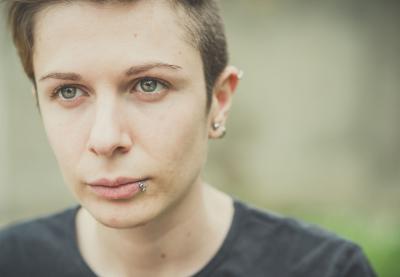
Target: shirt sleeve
{"type": "Point", "coordinates": [356, 264]}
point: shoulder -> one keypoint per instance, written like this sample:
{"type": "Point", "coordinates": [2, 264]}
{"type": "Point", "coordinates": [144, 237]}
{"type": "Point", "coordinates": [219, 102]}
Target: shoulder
{"type": "Point", "coordinates": [36, 242]}
{"type": "Point", "coordinates": [300, 248]}
{"type": "Point", "coordinates": [262, 223]}
{"type": "Point", "coordinates": [57, 224]}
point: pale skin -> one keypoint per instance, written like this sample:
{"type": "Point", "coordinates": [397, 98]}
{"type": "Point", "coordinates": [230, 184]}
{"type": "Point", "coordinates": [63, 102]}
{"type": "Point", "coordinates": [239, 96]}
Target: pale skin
{"type": "Point", "coordinates": [108, 126]}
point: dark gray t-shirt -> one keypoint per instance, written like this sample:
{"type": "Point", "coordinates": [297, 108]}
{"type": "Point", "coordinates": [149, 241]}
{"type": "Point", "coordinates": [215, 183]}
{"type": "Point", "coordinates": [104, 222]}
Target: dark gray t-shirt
{"type": "Point", "coordinates": [258, 244]}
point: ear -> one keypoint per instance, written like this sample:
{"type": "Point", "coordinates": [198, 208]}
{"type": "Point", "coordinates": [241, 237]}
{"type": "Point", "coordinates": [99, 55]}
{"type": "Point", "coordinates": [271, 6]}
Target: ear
{"type": "Point", "coordinates": [223, 92]}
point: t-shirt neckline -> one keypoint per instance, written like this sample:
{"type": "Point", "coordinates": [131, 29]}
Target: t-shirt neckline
{"type": "Point", "coordinates": [212, 264]}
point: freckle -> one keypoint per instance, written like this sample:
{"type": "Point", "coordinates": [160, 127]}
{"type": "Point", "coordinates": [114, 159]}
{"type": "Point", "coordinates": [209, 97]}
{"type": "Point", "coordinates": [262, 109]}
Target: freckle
{"type": "Point", "coordinates": [135, 35]}
{"type": "Point", "coordinates": [188, 234]}
{"type": "Point", "coordinates": [163, 256]}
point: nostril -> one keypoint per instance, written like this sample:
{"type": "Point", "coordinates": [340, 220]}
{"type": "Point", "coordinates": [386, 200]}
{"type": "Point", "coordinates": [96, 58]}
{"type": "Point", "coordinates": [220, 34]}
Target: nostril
{"type": "Point", "coordinates": [103, 146]}
{"type": "Point", "coordinates": [122, 149]}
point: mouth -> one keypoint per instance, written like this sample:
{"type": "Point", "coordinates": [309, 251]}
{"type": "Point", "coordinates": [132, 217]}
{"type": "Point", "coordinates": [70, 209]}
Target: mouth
{"type": "Point", "coordinates": [117, 189]}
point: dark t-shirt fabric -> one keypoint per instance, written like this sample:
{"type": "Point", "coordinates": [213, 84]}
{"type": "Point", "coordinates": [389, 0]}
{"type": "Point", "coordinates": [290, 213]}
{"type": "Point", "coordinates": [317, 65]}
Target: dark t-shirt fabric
{"type": "Point", "coordinates": [259, 243]}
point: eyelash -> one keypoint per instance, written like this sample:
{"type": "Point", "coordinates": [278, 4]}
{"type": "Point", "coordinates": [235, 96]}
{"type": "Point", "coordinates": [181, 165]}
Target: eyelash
{"type": "Point", "coordinates": [56, 92]}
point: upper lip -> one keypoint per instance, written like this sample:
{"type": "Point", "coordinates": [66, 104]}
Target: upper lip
{"type": "Point", "coordinates": [114, 182]}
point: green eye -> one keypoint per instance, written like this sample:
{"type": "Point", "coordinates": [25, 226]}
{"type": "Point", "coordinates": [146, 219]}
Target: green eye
{"type": "Point", "coordinates": [68, 93]}
{"type": "Point", "coordinates": [150, 86]}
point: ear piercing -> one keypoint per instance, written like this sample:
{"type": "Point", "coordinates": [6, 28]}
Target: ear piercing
{"type": "Point", "coordinates": [215, 126]}
{"type": "Point", "coordinates": [240, 74]}
{"type": "Point", "coordinates": [142, 186]}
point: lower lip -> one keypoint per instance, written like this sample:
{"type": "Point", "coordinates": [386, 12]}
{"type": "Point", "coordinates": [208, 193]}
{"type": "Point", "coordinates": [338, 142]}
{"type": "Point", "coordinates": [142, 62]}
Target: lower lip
{"type": "Point", "coordinates": [120, 192]}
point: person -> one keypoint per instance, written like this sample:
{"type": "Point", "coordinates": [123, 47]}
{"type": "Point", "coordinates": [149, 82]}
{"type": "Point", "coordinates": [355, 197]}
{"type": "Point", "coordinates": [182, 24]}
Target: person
{"type": "Point", "coordinates": [130, 92]}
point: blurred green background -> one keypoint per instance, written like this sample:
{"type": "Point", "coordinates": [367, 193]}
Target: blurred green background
{"type": "Point", "coordinates": [314, 132]}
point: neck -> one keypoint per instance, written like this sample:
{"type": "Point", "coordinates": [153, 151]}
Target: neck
{"type": "Point", "coordinates": [200, 221]}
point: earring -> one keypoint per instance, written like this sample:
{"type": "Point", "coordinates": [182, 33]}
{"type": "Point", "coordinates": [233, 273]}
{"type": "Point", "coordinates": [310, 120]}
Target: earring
{"type": "Point", "coordinates": [215, 126]}
{"type": "Point", "coordinates": [142, 186]}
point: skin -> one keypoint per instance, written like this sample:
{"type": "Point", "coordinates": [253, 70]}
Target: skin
{"type": "Point", "coordinates": [112, 128]}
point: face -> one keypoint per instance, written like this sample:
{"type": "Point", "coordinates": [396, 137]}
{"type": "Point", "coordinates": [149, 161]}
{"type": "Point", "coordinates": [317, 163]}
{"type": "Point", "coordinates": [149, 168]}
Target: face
{"type": "Point", "coordinates": [122, 97]}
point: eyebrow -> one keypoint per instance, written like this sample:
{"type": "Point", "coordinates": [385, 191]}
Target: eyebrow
{"type": "Point", "coordinates": [62, 76]}
{"type": "Point", "coordinates": [134, 70]}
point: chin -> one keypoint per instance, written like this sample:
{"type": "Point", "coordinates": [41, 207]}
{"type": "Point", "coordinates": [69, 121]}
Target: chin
{"type": "Point", "coordinates": [120, 224]}
{"type": "Point", "coordinates": [123, 214]}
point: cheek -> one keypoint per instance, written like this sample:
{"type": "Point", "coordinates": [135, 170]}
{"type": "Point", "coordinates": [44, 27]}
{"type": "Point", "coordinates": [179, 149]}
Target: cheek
{"type": "Point", "coordinates": [178, 125]}
{"type": "Point", "coordinates": [179, 140]}
{"type": "Point", "coordinates": [65, 138]}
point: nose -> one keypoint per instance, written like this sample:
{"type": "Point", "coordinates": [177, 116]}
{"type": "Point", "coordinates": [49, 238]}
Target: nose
{"type": "Point", "coordinates": [108, 135]}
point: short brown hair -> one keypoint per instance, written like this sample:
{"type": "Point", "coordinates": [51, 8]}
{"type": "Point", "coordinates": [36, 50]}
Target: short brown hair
{"type": "Point", "coordinates": [202, 23]}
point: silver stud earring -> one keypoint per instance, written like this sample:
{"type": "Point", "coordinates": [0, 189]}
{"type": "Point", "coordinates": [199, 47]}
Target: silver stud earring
{"type": "Point", "coordinates": [215, 126]}
{"type": "Point", "coordinates": [142, 186]}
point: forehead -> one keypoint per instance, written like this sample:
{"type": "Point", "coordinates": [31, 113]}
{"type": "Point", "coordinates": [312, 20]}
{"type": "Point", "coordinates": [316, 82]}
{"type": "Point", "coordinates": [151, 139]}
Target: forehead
{"type": "Point", "coordinates": [138, 30]}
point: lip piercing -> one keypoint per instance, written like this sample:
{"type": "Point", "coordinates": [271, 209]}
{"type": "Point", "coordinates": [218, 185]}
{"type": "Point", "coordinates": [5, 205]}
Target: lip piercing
{"type": "Point", "coordinates": [142, 186]}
